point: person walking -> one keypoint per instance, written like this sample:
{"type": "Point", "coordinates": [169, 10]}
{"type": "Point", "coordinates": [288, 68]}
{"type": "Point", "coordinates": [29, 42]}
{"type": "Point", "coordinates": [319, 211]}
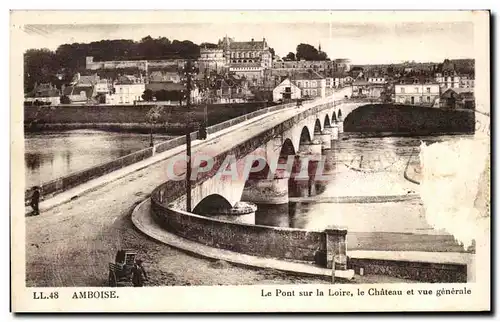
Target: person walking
{"type": "Point", "coordinates": [138, 274]}
{"type": "Point", "coordinates": [35, 200]}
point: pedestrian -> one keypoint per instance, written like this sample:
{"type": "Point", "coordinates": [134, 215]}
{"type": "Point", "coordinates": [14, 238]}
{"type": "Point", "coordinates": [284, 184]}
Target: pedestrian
{"type": "Point", "coordinates": [35, 200]}
{"type": "Point", "coordinates": [138, 274]}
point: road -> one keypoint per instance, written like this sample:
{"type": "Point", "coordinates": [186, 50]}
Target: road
{"type": "Point", "coordinates": [72, 243]}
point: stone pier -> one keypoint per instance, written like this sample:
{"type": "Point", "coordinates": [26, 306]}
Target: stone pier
{"type": "Point", "coordinates": [304, 170]}
{"type": "Point", "coordinates": [242, 213]}
{"type": "Point", "coordinates": [325, 138]}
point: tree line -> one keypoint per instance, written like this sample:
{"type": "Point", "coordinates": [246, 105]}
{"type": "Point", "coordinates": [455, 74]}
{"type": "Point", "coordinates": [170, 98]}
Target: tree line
{"type": "Point", "coordinates": [306, 52]}
{"type": "Point", "coordinates": [59, 66]}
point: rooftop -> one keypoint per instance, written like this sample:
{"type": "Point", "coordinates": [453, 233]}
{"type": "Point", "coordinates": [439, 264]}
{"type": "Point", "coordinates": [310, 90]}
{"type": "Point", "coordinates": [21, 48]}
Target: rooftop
{"type": "Point", "coordinates": [310, 75]}
{"type": "Point", "coordinates": [247, 45]}
{"type": "Point", "coordinates": [167, 86]}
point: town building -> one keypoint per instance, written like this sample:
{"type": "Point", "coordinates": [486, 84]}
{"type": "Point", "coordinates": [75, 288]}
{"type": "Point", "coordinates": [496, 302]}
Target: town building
{"type": "Point", "coordinates": [246, 52]}
{"type": "Point", "coordinates": [103, 86]}
{"type": "Point", "coordinates": [174, 92]}
{"type": "Point", "coordinates": [79, 93]}
{"type": "Point", "coordinates": [302, 65]}
{"type": "Point", "coordinates": [342, 65]}
{"type": "Point", "coordinates": [127, 90]}
{"type": "Point", "coordinates": [253, 72]}
{"type": "Point", "coordinates": [447, 79]}
{"type": "Point", "coordinates": [364, 89]}
{"type": "Point", "coordinates": [466, 81]}
{"type": "Point", "coordinates": [170, 75]}
{"type": "Point", "coordinates": [426, 94]}
{"type": "Point", "coordinates": [46, 93]}
{"type": "Point", "coordinates": [311, 84]}
{"type": "Point", "coordinates": [377, 80]}
{"type": "Point", "coordinates": [457, 98]}
{"type": "Point", "coordinates": [212, 59]}
{"type": "Point", "coordinates": [286, 90]}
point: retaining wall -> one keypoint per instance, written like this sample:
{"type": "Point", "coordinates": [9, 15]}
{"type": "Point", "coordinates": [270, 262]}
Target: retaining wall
{"type": "Point", "coordinates": [275, 242]}
{"type": "Point", "coordinates": [417, 271]}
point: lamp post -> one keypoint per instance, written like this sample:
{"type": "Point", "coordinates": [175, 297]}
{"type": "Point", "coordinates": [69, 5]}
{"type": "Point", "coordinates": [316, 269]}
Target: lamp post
{"type": "Point", "coordinates": [153, 116]}
{"type": "Point", "coordinates": [188, 72]}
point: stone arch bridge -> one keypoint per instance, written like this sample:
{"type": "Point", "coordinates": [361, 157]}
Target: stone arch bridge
{"type": "Point", "coordinates": [256, 165]}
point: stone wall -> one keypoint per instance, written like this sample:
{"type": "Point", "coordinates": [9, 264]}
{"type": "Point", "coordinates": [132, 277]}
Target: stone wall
{"type": "Point", "coordinates": [417, 271]}
{"type": "Point", "coordinates": [285, 243]}
{"type": "Point", "coordinates": [409, 119]}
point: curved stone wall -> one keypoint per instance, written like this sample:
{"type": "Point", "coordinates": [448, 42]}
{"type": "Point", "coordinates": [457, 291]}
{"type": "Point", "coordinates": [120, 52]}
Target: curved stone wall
{"type": "Point", "coordinates": [286, 243]}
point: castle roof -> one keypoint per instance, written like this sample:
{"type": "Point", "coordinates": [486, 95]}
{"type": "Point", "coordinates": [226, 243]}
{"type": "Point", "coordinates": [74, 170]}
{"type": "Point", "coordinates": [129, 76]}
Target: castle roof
{"type": "Point", "coordinates": [247, 45]}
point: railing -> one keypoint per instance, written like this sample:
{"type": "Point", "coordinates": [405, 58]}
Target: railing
{"type": "Point", "coordinates": [76, 178]}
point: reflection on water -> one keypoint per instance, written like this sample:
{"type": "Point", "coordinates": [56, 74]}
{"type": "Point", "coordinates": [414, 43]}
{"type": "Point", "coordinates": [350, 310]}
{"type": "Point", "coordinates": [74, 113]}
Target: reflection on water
{"type": "Point", "coordinates": [50, 155]}
{"type": "Point", "coordinates": [364, 165]}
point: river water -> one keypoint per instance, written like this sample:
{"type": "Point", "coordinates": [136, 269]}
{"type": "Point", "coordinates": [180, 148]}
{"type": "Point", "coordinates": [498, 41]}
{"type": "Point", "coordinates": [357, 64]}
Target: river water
{"type": "Point", "coordinates": [50, 155]}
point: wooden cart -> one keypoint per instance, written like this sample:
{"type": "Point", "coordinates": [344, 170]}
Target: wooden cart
{"type": "Point", "coordinates": [120, 272]}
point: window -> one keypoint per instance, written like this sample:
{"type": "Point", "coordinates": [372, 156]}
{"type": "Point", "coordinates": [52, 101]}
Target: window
{"type": "Point", "coordinates": [416, 89]}
{"type": "Point", "coordinates": [313, 84]}
{"type": "Point", "coordinates": [298, 84]}
{"type": "Point", "coordinates": [428, 89]}
{"type": "Point", "coordinates": [402, 90]}
{"type": "Point", "coordinates": [428, 99]}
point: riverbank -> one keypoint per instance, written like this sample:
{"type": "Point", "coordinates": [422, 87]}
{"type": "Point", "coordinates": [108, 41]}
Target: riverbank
{"type": "Point", "coordinates": [171, 120]}
{"type": "Point", "coordinates": [404, 119]}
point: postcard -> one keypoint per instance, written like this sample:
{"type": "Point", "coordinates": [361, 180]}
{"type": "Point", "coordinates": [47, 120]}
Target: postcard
{"type": "Point", "coordinates": [253, 161]}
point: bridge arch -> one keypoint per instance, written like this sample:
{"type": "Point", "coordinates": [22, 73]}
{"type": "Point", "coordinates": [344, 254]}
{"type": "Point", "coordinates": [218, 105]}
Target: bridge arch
{"type": "Point", "coordinates": [317, 127]}
{"type": "Point", "coordinates": [326, 122]}
{"type": "Point", "coordinates": [211, 204]}
{"type": "Point", "coordinates": [305, 135]}
{"type": "Point", "coordinates": [334, 117]}
{"type": "Point", "coordinates": [287, 149]}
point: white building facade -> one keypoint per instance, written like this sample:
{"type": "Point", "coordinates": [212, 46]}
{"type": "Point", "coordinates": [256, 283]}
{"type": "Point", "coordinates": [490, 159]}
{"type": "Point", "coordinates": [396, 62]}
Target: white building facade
{"type": "Point", "coordinates": [312, 85]}
{"type": "Point", "coordinates": [417, 94]}
{"type": "Point", "coordinates": [127, 93]}
{"type": "Point", "coordinates": [286, 90]}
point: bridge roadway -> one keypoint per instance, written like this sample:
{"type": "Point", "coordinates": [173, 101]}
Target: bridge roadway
{"type": "Point", "coordinates": [70, 244]}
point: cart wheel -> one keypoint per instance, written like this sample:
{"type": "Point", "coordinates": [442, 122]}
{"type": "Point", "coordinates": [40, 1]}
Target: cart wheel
{"type": "Point", "coordinates": [112, 279]}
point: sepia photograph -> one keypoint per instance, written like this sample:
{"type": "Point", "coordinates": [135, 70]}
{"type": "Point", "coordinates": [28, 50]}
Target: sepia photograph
{"type": "Point", "coordinates": [296, 156]}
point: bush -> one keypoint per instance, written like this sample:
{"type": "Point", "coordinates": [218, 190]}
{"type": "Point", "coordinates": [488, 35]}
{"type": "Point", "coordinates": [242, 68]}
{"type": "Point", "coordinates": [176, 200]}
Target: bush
{"type": "Point", "coordinates": [65, 100]}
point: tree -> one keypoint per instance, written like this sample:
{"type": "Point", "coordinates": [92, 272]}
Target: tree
{"type": "Point", "coordinates": [290, 56]}
{"type": "Point", "coordinates": [152, 117]}
{"type": "Point", "coordinates": [308, 52]}
{"type": "Point", "coordinates": [271, 50]}
{"type": "Point", "coordinates": [208, 45]}
{"type": "Point", "coordinates": [101, 98]}
{"type": "Point", "coordinates": [65, 99]}
{"type": "Point", "coordinates": [147, 95]}
{"type": "Point", "coordinates": [40, 66]}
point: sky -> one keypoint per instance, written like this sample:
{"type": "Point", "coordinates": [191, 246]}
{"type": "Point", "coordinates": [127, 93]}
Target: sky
{"type": "Point", "coordinates": [367, 41]}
